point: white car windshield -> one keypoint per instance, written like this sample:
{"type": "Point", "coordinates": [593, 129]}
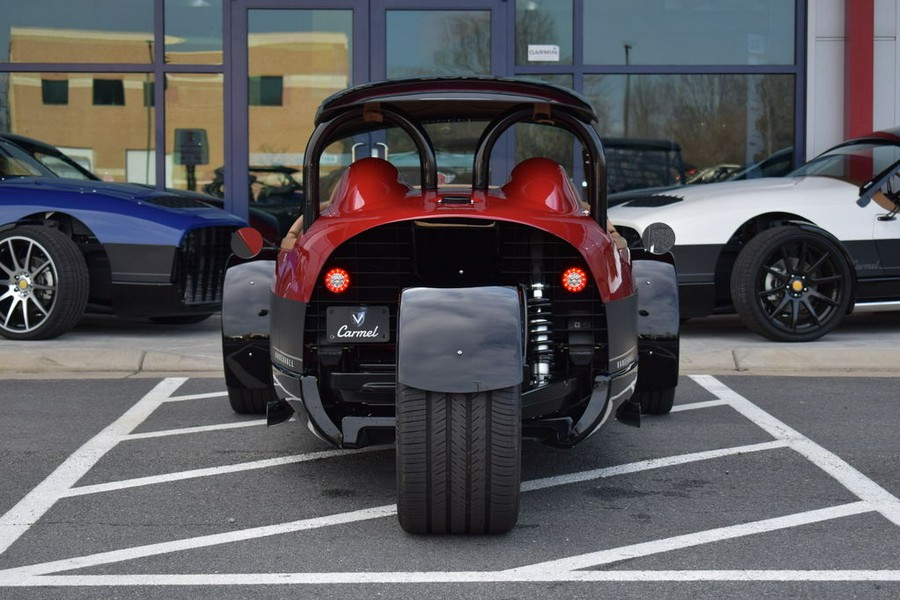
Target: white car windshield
{"type": "Point", "coordinates": [853, 163]}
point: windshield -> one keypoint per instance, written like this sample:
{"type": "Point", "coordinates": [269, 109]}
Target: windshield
{"type": "Point", "coordinates": [16, 163]}
{"type": "Point", "coordinates": [853, 163]}
{"type": "Point", "coordinates": [62, 166]}
{"type": "Point", "coordinates": [454, 144]}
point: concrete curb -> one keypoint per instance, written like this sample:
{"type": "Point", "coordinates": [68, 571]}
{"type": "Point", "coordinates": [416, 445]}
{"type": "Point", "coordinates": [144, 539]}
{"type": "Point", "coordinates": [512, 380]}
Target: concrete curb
{"type": "Point", "coordinates": [107, 347]}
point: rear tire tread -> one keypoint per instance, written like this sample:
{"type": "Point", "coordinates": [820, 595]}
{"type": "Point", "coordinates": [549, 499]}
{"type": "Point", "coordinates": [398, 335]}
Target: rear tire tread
{"type": "Point", "coordinates": [458, 461]}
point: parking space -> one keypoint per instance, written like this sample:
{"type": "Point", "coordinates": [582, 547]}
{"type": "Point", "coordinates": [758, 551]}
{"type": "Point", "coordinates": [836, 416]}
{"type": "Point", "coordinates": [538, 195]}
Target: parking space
{"type": "Point", "coordinates": [784, 483]}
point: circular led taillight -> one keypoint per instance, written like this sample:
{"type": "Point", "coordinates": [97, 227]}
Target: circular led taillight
{"type": "Point", "coordinates": [337, 280]}
{"type": "Point", "coordinates": [574, 279]}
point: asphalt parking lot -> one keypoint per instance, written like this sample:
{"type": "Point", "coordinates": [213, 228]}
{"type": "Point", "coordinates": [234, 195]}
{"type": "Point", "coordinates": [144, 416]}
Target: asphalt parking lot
{"type": "Point", "coordinates": [151, 487]}
{"type": "Point", "coordinates": [126, 475]}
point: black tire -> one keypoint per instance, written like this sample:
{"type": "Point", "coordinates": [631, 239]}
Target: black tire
{"type": "Point", "coordinates": [250, 402]}
{"type": "Point", "coordinates": [44, 283]}
{"type": "Point", "coordinates": [791, 285]}
{"type": "Point", "coordinates": [458, 461]}
{"type": "Point", "coordinates": [656, 402]}
{"type": "Point", "coordinates": [181, 319]}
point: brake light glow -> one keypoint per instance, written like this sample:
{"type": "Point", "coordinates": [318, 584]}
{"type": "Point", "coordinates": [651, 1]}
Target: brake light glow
{"type": "Point", "coordinates": [574, 279]}
{"type": "Point", "coordinates": [337, 280]}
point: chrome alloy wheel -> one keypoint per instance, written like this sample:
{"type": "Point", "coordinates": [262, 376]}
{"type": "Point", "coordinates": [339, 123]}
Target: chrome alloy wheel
{"type": "Point", "coordinates": [31, 280]}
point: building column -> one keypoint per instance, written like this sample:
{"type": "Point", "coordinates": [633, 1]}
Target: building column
{"type": "Point", "coordinates": [859, 52]}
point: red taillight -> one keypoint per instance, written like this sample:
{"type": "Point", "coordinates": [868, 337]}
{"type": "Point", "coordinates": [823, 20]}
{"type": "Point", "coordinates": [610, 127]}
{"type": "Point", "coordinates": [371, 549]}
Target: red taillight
{"type": "Point", "coordinates": [337, 280]}
{"type": "Point", "coordinates": [574, 279]}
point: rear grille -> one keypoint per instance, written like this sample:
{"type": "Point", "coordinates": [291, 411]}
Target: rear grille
{"type": "Point", "coordinates": [200, 264]}
{"type": "Point", "coordinates": [384, 260]}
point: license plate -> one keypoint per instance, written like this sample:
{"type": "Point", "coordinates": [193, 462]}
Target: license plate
{"type": "Point", "coordinates": [357, 324]}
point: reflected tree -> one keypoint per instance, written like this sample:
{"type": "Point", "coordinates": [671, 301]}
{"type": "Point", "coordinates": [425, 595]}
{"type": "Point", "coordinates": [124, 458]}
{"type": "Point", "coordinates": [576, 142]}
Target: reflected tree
{"type": "Point", "coordinates": [466, 46]}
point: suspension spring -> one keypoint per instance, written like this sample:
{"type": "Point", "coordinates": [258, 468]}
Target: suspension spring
{"type": "Point", "coordinates": [540, 343]}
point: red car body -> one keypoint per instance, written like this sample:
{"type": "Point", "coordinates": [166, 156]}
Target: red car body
{"type": "Point", "coordinates": [454, 318]}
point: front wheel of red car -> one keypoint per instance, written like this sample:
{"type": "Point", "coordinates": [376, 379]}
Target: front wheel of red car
{"type": "Point", "coordinates": [458, 461]}
{"type": "Point", "coordinates": [44, 283]}
{"type": "Point", "coordinates": [250, 401]}
{"type": "Point", "coordinates": [656, 402]}
{"type": "Point", "coordinates": [791, 285]}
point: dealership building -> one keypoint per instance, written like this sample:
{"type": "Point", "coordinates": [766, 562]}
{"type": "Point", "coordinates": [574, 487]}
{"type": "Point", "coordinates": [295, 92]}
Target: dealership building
{"type": "Point", "coordinates": [170, 92]}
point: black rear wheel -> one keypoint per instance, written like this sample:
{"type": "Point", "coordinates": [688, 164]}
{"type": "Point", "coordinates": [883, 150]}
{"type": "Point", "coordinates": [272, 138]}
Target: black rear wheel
{"type": "Point", "coordinates": [791, 285]}
{"type": "Point", "coordinates": [458, 460]}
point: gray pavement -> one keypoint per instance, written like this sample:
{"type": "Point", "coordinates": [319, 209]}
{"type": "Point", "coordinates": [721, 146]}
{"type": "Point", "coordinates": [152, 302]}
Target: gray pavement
{"type": "Point", "coordinates": [108, 347]}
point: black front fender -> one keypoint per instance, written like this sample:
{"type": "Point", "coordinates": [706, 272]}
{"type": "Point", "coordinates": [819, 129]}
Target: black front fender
{"type": "Point", "coordinates": [460, 340]}
{"type": "Point", "coordinates": [659, 322]}
{"type": "Point", "coordinates": [245, 325]}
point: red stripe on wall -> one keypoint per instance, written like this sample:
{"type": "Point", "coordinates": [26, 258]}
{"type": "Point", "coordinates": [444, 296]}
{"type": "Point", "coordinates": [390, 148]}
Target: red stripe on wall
{"type": "Point", "coordinates": [859, 51]}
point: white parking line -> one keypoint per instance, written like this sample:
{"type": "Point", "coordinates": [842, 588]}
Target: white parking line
{"type": "Point", "coordinates": [872, 498]}
{"type": "Point", "coordinates": [863, 487]}
{"type": "Point", "coordinates": [211, 471]}
{"type": "Point", "coordinates": [646, 465]}
{"type": "Point", "coordinates": [200, 429]}
{"type": "Point", "coordinates": [402, 577]}
{"type": "Point", "coordinates": [39, 500]}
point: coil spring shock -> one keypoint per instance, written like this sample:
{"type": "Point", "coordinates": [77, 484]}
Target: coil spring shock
{"type": "Point", "coordinates": [540, 347]}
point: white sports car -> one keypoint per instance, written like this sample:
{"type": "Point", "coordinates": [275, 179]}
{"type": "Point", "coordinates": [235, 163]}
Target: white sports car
{"type": "Point", "coordinates": [791, 255]}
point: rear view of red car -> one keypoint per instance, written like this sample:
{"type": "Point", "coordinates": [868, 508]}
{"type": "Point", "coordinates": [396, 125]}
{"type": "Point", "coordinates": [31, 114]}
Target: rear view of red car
{"type": "Point", "coordinates": [454, 316]}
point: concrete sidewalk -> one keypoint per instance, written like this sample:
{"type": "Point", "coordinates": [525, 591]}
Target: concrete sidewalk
{"type": "Point", "coordinates": [109, 347]}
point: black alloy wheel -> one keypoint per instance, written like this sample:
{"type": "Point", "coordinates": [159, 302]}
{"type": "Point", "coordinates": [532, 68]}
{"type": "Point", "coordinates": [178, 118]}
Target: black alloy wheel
{"type": "Point", "coordinates": [791, 285]}
{"type": "Point", "coordinates": [44, 283]}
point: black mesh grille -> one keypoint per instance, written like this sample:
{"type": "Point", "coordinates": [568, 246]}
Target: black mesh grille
{"type": "Point", "coordinates": [384, 260]}
{"type": "Point", "coordinates": [200, 264]}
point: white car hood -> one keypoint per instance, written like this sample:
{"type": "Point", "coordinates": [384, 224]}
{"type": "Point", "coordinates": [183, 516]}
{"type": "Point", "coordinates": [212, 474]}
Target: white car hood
{"type": "Point", "coordinates": [711, 213]}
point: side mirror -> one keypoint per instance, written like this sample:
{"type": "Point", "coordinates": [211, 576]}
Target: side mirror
{"type": "Point", "coordinates": [658, 238]}
{"type": "Point", "coordinates": [246, 242]}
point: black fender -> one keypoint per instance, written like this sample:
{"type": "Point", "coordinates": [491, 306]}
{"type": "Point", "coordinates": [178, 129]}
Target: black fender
{"type": "Point", "coordinates": [245, 323]}
{"type": "Point", "coordinates": [659, 323]}
{"type": "Point", "coordinates": [460, 340]}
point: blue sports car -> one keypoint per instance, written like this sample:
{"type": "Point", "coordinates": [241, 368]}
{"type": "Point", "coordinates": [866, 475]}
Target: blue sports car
{"type": "Point", "coordinates": [70, 245]}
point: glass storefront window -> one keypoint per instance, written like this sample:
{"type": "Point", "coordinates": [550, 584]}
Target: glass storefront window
{"type": "Point", "coordinates": [543, 32]}
{"type": "Point", "coordinates": [438, 42]}
{"type": "Point", "coordinates": [34, 105]}
{"type": "Point", "coordinates": [100, 31]}
{"type": "Point", "coordinates": [193, 32]}
{"type": "Point", "coordinates": [719, 119]}
{"type": "Point", "coordinates": [537, 140]}
{"type": "Point", "coordinates": [296, 59]}
{"type": "Point", "coordinates": [195, 139]}
{"type": "Point", "coordinates": [667, 32]}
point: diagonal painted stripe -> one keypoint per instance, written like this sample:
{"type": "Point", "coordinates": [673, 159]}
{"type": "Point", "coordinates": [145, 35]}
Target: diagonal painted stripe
{"type": "Point", "coordinates": [39, 500]}
{"type": "Point", "coordinates": [646, 465]}
{"type": "Point", "coordinates": [197, 396]}
{"type": "Point", "coordinates": [211, 471]}
{"type": "Point", "coordinates": [371, 513]}
{"type": "Point", "coordinates": [864, 488]}
{"type": "Point", "coordinates": [696, 405]}
{"type": "Point", "coordinates": [198, 542]}
{"type": "Point", "coordinates": [678, 542]}
{"type": "Point", "coordinates": [189, 430]}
